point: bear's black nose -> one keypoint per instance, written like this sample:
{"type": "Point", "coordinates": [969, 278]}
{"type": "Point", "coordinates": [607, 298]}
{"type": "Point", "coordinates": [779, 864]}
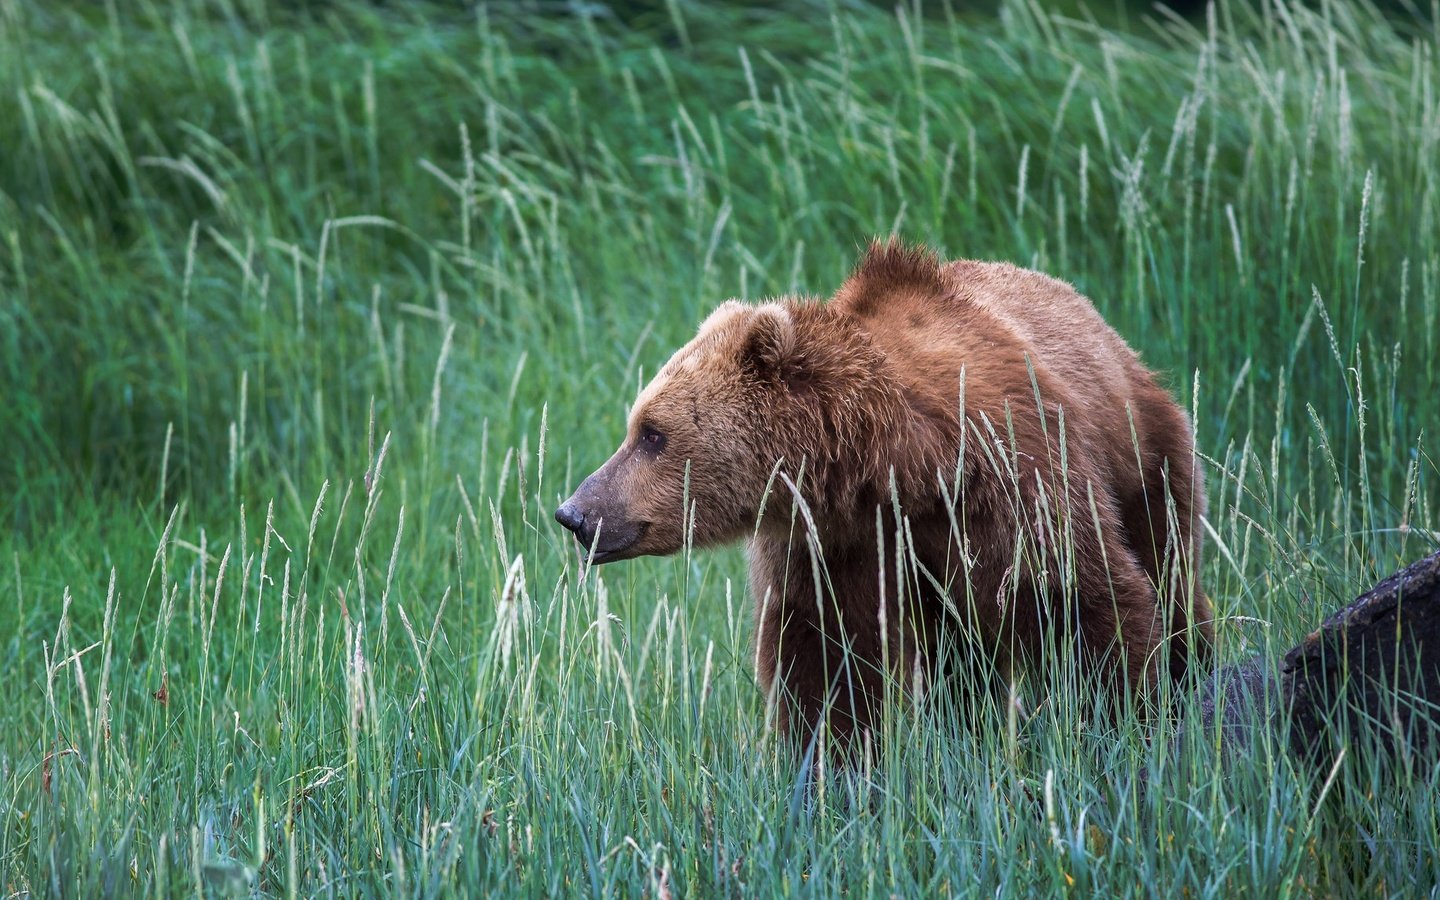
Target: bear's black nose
{"type": "Point", "coordinates": [570, 517]}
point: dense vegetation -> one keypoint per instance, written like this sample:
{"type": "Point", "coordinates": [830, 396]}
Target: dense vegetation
{"type": "Point", "coordinates": [310, 318]}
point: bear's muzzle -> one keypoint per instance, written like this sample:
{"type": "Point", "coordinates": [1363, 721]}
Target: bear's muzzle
{"type": "Point", "coordinates": [598, 537]}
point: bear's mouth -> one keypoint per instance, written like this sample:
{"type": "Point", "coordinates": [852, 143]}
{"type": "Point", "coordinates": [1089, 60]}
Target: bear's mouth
{"type": "Point", "coordinates": [623, 547]}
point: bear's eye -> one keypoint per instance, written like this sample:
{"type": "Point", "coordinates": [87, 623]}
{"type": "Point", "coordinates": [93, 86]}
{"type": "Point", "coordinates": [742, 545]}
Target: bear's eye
{"type": "Point", "coordinates": [651, 440]}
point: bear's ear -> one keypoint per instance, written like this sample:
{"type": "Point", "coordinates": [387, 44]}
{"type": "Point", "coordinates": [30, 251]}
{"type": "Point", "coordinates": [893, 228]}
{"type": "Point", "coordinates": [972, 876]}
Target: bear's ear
{"type": "Point", "coordinates": [768, 347]}
{"type": "Point", "coordinates": [722, 316]}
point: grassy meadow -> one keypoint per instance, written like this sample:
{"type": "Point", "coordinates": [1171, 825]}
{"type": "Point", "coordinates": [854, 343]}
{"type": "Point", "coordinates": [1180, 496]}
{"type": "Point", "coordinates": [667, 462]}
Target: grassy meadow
{"type": "Point", "coordinates": [312, 315]}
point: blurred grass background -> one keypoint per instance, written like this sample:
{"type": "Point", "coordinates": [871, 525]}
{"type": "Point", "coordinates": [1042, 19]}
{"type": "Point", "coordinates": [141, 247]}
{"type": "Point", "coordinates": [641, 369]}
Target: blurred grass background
{"type": "Point", "coordinates": [311, 314]}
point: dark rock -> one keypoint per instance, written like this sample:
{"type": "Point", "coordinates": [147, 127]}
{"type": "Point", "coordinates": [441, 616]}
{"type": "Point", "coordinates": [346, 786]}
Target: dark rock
{"type": "Point", "coordinates": [1241, 699]}
{"type": "Point", "coordinates": [1369, 677]}
{"type": "Point", "coordinates": [1371, 672]}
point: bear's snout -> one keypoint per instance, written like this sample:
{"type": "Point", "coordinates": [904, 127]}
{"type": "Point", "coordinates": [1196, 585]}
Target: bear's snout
{"type": "Point", "coordinates": [604, 532]}
{"type": "Point", "coordinates": [571, 517]}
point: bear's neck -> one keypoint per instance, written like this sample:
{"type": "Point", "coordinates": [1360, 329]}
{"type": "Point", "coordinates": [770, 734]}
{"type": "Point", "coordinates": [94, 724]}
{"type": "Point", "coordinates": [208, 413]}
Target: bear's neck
{"type": "Point", "coordinates": [859, 440]}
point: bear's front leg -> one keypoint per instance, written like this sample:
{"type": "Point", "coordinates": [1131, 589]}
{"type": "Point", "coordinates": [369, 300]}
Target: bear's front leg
{"type": "Point", "coordinates": [821, 658]}
{"type": "Point", "coordinates": [813, 678]}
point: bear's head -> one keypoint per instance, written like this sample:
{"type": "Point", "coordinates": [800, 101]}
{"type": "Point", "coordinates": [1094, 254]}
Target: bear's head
{"type": "Point", "coordinates": [704, 436]}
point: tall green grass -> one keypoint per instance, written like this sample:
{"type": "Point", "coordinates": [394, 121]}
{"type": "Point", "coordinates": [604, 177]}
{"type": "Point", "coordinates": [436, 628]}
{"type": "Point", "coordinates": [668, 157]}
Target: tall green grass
{"type": "Point", "coordinates": [311, 318]}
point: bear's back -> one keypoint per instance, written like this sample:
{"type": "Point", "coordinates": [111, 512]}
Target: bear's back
{"type": "Point", "coordinates": [1056, 325]}
{"type": "Point", "coordinates": [998, 322]}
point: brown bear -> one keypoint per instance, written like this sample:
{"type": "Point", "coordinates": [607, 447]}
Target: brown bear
{"type": "Point", "coordinates": [939, 454]}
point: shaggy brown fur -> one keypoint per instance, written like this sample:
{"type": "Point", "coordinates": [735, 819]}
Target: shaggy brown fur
{"type": "Point", "coordinates": [924, 403]}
